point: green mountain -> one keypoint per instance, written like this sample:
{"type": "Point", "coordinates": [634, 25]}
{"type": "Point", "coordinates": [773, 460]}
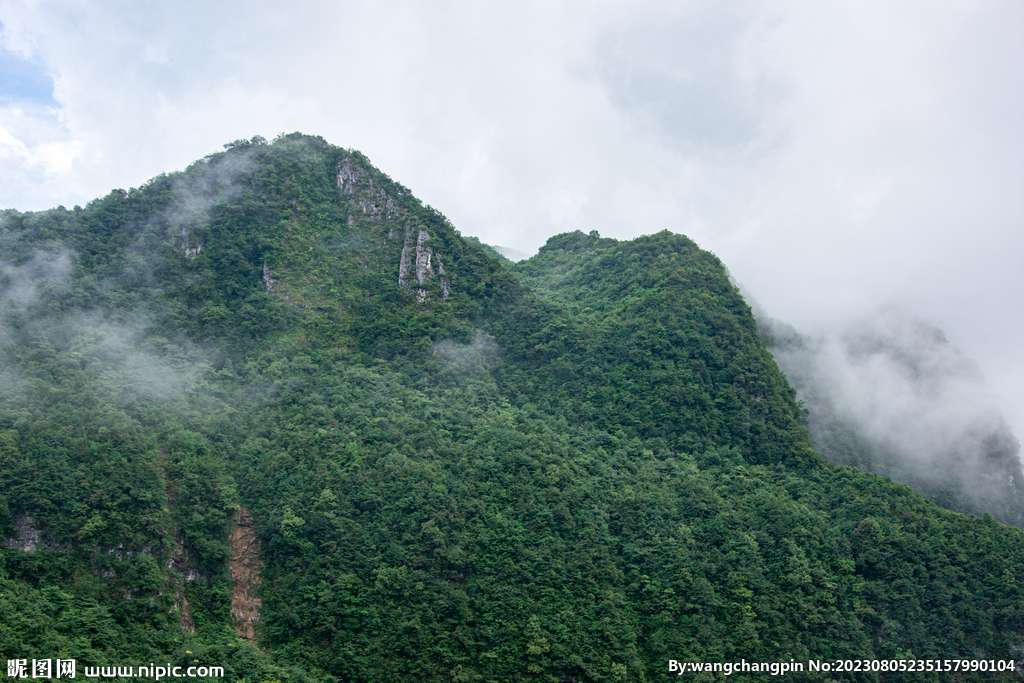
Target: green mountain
{"type": "Point", "coordinates": [888, 394]}
{"type": "Point", "coordinates": [274, 414]}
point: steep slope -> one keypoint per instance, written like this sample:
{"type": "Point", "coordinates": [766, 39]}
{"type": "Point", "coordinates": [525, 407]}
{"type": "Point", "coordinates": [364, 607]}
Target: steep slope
{"type": "Point", "coordinates": [664, 346]}
{"type": "Point", "coordinates": [890, 395]}
{"type": "Point", "coordinates": [453, 468]}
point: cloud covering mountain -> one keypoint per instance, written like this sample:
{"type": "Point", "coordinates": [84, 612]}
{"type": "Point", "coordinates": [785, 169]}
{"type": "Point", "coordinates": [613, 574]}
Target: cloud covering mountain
{"type": "Point", "coordinates": [888, 394]}
{"type": "Point", "coordinates": [837, 157]}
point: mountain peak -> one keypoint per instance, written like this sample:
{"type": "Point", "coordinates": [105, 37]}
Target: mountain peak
{"type": "Point", "coordinates": [278, 396]}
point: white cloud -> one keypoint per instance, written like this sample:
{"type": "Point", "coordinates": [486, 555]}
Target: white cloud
{"type": "Point", "coordinates": [52, 158]}
{"type": "Point", "coordinates": [37, 159]}
{"type": "Point", "coordinates": [836, 156]}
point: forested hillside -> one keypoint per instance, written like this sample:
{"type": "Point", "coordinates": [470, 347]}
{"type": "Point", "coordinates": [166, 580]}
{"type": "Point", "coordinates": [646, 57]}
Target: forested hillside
{"type": "Point", "coordinates": [890, 395]}
{"type": "Point", "coordinates": [274, 414]}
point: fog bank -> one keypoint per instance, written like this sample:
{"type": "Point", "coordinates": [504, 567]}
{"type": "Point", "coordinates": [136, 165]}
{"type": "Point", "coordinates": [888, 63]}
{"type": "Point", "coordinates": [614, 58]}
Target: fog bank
{"type": "Point", "coordinates": [887, 393]}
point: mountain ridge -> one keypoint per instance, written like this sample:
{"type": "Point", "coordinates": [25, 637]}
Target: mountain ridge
{"type": "Point", "coordinates": [888, 394]}
{"type": "Point", "coordinates": [574, 468]}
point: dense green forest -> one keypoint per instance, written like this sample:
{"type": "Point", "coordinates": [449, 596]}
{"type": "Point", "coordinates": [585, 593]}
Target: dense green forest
{"type": "Point", "coordinates": [574, 468]}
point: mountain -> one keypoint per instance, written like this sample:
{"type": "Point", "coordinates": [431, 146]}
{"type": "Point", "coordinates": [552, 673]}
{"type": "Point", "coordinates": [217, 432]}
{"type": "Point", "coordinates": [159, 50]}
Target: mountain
{"type": "Point", "coordinates": [275, 414]}
{"type": "Point", "coordinates": [888, 394]}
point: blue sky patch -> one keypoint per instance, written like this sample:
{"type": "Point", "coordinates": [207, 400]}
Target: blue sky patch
{"type": "Point", "coordinates": [24, 80]}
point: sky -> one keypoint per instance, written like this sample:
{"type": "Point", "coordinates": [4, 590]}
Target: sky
{"type": "Point", "coordinates": [838, 157]}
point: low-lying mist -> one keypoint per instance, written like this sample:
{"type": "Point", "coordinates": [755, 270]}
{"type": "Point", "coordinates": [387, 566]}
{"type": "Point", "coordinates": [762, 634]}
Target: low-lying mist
{"type": "Point", "coordinates": [75, 313]}
{"type": "Point", "coordinates": [46, 354]}
{"type": "Point", "coordinates": [887, 393]}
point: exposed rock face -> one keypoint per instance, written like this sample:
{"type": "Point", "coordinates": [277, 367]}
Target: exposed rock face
{"type": "Point", "coordinates": [374, 201]}
{"type": "Point", "coordinates": [178, 557]}
{"type": "Point", "coordinates": [190, 250]}
{"type": "Point", "coordinates": [28, 540]}
{"type": "Point", "coordinates": [245, 575]}
{"type": "Point", "coordinates": [27, 537]}
{"type": "Point", "coordinates": [185, 612]}
{"type": "Point", "coordinates": [419, 262]}
{"type": "Point", "coordinates": [178, 561]}
{"type": "Point", "coordinates": [405, 265]}
{"type": "Point", "coordinates": [269, 281]}
{"type": "Point", "coordinates": [423, 254]}
{"type": "Point", "coordinates": [348, 174]}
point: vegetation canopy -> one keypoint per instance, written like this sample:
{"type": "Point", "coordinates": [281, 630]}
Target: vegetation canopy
{"type": "Point", "coordinates": [273, 413]}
